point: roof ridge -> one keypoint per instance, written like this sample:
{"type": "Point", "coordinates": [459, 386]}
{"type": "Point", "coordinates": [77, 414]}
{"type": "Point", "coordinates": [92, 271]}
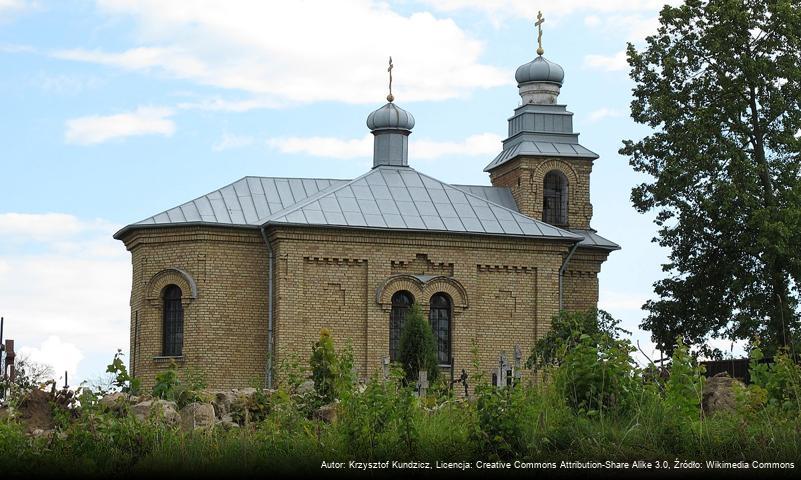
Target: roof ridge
{"type": "Point", "coordinates": [297, 178]}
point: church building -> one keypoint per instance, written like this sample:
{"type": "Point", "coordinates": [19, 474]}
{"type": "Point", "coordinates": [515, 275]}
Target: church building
{"type": "Point", "coordinates": [238, 280]}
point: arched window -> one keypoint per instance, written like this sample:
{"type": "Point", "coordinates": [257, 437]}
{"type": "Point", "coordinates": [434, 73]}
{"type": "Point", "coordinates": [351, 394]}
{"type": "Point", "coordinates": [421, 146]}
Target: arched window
{"type": "Point", "coordinates": [554, 198]}
{"type": "Point", "coordinates": [173, 322]}
{"type": "Point", "coordinates": [439, 316]}
{"type": "Point", "coordinates": [401, 302]}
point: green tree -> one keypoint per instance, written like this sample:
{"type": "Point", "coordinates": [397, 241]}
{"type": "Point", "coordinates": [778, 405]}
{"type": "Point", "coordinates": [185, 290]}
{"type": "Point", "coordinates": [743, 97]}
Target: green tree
{"type": "Point", "coordinates": [417, 347]}
{"type": "Point", "coordinates": [324, 365]}
{"type": "Point", "coordinates": [720, 84]}
{"type": "Point", "coordinates": [565, 334]}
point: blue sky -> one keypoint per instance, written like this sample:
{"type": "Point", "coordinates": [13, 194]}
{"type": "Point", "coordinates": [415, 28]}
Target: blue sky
{"type": "Point", "coordinates": [115, 110]}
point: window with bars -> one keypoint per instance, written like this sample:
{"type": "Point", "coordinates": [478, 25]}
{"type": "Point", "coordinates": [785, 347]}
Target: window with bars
{"type": "Point", "coordinates": [439, 316]}
{"type": "Point", "coordinates": [173, 321]}
{"type": "Point", "coordinates": [554, 197]}
{"type": "Point", "coordinates": [401, 302]}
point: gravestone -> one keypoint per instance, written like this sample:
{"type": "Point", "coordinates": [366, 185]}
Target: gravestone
{"type": "Point", "coordinates": [463, 379]}
{"type": "Point", "coordinates": [502, 376]}
{"type": "Point", "coordinates": [422, 383]}
{"type": "Point", "coordinates": [385, 367]}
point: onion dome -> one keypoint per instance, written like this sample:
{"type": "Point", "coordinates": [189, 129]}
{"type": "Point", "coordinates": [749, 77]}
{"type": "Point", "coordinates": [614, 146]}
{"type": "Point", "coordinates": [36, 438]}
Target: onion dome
{"type": "Point", "coordinates": [540, 70]}
{"type": "Point", "coordinates": [390, 117]}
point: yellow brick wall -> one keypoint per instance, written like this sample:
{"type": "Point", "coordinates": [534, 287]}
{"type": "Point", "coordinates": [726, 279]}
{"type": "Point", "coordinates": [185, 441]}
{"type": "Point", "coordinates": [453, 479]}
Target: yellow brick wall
{"type": "Point", "coordinates": [525, 176]}
{"type": "Point", "coordinates": [225, 333]}
{"type": "Point", "coordinates": [581, 279]}
{"type": "Point", "coordinates": [510, 287]}
{"type": "Point", "coordinates": [504, 291]}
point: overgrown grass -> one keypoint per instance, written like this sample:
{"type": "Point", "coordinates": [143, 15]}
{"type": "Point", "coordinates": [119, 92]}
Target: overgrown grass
{"type": "Point", "coordinates": [524, 423]}
{"type": "Point", "coordinates": [593, 405]}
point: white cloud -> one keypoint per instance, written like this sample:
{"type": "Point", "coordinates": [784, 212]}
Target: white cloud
{"type": "Point", "coordinates": [67, 297]}
{"type": "Point", "coordinates": [605, 112]}
{"type": "Point", "coordinates": [138, 59]}
{"type": "Point", "coordinates": [59, 355]}
{"type": "Point", "coordinates": [96, 129]}
{"type": "Point", "coordinates": [229, 141]}
{"type": "Point", "coordinates": [592, 20]}
{"type": "Point", "coordinates": [37, 227]}
{"type": "Point", "coordinates": [13, 5]}
{"type": "Point", "coordinates": [609, 63]}
{"type": "Point", "coordinates": [481, 144]}
{"type": "Point", "coordinates": [280, 52]}
{"type": "Point", "coordinates": [325, 146]}
{"type": "Point", "coordinates": [423, 149]}
{"type": "Point", "coordinates": [66, 84]}
{"type": "Point", "coordinates": [228, 105]}
{"type": "Point", "coordinates": [16, 48]}
{"type": "Point", "coordinates": [633, 20]}
{"type": "Point", "coordinates": [614, 301]}
{"type": "Point", "coordinates": [633, 27]}
{"type": "Point", "coordinates": [526, 8]}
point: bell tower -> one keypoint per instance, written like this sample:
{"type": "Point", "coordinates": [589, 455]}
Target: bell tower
{"type": "Point", "coordinates": [542, 162]}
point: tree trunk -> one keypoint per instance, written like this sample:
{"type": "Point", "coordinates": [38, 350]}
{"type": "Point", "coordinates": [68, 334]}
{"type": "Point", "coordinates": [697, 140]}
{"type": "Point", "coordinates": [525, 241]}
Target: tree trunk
{"type": "Point", "coordinates": [773, 263]}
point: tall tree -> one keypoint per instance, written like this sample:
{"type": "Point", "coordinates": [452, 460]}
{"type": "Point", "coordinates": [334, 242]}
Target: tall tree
{"type": "Point", "coordinates": [418, 348]}
{"type": "Point", "coordinates": [720, 85]}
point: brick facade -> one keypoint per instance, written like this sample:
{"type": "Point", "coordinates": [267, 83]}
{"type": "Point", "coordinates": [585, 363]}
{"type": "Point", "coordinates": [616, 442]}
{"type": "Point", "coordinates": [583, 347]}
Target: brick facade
{"type": "Point", "coordinates": [525, 175]}
{"type": "Point", "coordinates": [504, 292]}
{"type": "Point", "coordinates": [225, 334]}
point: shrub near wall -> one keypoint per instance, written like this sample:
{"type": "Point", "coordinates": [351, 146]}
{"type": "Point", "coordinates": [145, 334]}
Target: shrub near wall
{"type": "Point", "coordinates": [608, 412]}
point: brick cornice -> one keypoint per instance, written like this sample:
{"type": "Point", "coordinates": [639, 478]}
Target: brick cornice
{"type": "Point", "coordinates": [430, 239]}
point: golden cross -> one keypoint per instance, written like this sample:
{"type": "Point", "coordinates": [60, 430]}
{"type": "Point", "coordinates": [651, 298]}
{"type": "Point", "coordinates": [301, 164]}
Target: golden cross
{"type": "Point", "coordinates": [390, 97]}
{"type": "Point", "coordinates": [538, 24]}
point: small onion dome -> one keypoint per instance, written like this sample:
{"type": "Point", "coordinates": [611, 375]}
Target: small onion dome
{"type": "Point", "coordinates": [540, 70]}
{"type": "Point", "coordinates": [390, 117]}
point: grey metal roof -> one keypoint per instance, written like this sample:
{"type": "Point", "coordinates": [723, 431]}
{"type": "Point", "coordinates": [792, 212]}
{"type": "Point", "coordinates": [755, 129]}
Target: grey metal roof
{"type": "Point", "coordinates": [245, 201]}
{"type": "Point", "coordinates": [384, 198]}
{"type": "Point", "coordinates": [550, 149]}
{"type": "Point", "coordinates": [543, 130]}
{"type": "Point", "coordinates": [401, 198]}
{"type": "Point", "coordinates": [593, 240]}
{"type": "Point", "coordinates": [500, 195]}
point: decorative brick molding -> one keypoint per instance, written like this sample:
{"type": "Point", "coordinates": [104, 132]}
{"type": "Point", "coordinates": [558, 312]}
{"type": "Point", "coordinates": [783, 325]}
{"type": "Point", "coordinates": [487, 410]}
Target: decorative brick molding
{"type": "Point", "coordinates": [538, 174]}
{"type": "Point", "coordinates": [505, 268]}
{"type": "Point", "coordinates": [421, 290]}
{"type": "Point", "coordinates": [421, 265]}
{"type": "Point", "coordinates": [171, 276]}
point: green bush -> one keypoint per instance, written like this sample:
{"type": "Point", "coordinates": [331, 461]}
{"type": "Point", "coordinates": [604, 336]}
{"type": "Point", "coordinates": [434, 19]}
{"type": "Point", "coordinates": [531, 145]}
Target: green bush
{"type": "Point", "coordinates": [381, 421]}
{"type": "Point", "coordinates": [169, 385]}
{"type": "Point", "coordinates": [417, 347]}
{"type": "Point", "coordinates": [122, 380]}
{"type": "Point", "coordinates": [324, 366]}
{"type": "Point", "coordinates": [565, 333]}
{"type": "Point", "coordinates": [333, 374]}
{"type": "Point", "coordinates": [598, 374]}
{"type": "Point", "coordinates": [684, 391]}
{"type": "Point", "coordinates": [594, 406]}
{"type": "Point", "coordinates": [499, 423]}
{"type": "Point", "coordinates": [780, 380]}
